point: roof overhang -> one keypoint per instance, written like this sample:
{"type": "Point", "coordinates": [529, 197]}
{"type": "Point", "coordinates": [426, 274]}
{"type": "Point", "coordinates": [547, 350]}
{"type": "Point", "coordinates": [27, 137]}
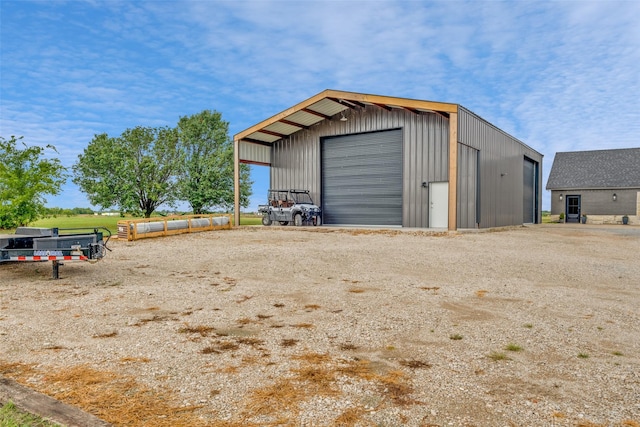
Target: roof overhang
{"type": "Point", "coordinates": [619, 188]}
{"type": "Point", "coordinates": [327, 104]}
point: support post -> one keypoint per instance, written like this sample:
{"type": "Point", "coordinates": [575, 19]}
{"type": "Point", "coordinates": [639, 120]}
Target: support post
{"type": "Point", "coordinates": [236, 182]}
{"type": "Point", "coordinates": [56, 270]}
{"type": "Point", "coordinates": [453, 171]}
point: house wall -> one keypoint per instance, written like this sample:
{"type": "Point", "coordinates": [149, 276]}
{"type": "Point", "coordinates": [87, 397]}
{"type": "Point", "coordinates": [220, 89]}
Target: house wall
{"type": "Point", "coordinates": [598, 202]}
{"type": "Point", "coordinates": [501, 164]}
{"type": "Point", "coordinates": [295, 161]}
{"type": "Point", "coordinates": [557, 206]}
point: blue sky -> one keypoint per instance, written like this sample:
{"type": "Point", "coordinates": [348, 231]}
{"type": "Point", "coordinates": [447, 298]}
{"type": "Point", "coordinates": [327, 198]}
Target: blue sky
{"type": "Point", "coordinates": [559, 76]}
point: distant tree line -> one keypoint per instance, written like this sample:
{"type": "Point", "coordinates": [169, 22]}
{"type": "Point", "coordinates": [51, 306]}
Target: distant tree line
{"type": "Point", "coordinates": [133, 173]}
{"type": "Point", "coordinates": [67, 212]}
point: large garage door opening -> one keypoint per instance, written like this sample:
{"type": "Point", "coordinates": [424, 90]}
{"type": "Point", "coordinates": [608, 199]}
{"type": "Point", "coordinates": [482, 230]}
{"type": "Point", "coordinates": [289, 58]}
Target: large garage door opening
{"type": "Point", "coordinates": [530, 205]}
{"type": "Point", "coordinates": [362, 179]}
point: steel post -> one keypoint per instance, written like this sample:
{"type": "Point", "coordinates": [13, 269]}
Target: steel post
{"type": "Point", "coordinates": [56, 270]}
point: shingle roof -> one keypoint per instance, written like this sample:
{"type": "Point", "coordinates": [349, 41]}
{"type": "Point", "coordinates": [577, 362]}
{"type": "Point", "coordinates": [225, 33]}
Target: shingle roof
{"type": "Point", "coordinates": [596, 169]}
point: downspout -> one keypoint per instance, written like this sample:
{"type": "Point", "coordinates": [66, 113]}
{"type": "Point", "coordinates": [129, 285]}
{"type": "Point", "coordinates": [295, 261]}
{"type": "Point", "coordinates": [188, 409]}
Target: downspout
{"type": "Point", "coordinates": [453, 171]}
{"type": "Point", "coordinates": [236, 182]}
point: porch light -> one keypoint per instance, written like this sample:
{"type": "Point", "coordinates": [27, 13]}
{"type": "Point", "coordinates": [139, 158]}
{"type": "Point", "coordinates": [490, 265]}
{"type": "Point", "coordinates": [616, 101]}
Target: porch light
{"type": "Point", "coordinates": [560, 196]}
{"type": "Point", "coordinates": [343, 118]}
{"type": "Point", "coordinates": [615, 197]}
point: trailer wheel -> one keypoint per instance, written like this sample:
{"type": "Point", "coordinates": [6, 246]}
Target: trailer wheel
{"type": "Point", "coordinates": [266, 219]}
{"type": "Point", "coordinates": [297, 220]}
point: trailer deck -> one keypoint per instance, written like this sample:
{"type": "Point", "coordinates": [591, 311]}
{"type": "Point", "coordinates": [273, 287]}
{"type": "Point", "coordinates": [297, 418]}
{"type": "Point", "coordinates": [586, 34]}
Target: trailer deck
{"type": "Point", "coordinates": [55, 245]}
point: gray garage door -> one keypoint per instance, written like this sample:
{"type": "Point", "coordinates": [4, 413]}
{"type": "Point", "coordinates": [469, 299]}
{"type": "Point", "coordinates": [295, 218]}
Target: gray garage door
{"type": "Point", "coordinates": [362, 179]}
{"type": "Point", "coordinates": [529, 201]}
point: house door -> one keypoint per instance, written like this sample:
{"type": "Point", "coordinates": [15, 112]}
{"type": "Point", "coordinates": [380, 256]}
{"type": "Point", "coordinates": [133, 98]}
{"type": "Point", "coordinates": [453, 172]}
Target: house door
{"type": "Point", "coordinates": [438, 204]}
{"type": "Point", "coordinates": [573, 208]}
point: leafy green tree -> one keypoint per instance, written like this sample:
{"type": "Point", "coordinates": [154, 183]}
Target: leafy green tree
{"type": "Point", "coordinates": [25, 177]}
{"type": "Point", "coordinates": [135, 172]}
{"type": "Point", "coordinates": [206, 179]}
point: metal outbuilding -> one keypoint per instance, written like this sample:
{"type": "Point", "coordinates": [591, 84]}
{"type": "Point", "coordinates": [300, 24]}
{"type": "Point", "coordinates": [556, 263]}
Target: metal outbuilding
{"type": "Point", "coordinates": [387, 161]}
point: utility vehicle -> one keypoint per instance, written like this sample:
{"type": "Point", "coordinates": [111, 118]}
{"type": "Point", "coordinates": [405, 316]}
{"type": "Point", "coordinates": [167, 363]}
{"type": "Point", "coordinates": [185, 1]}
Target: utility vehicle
{"type": "Point", "coordinates": [290, 207]}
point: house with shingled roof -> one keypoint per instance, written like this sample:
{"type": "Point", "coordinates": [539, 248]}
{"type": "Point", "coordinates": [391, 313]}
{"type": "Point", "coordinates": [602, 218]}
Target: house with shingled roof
{"type": "Point", "coordinates": [603, 185]}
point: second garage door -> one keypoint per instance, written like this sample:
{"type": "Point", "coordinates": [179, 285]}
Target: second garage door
{"type": "Point", "coordinates": [362, 179]}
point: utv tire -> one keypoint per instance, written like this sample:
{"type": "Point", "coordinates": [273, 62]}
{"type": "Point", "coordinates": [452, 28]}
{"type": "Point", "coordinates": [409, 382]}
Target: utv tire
{"type": "Point", "coordinates": [266, 220]}
{"type": "Point", "coordinates": [297, 220]}
{"type": "Point", "coordinates": [317, 220]}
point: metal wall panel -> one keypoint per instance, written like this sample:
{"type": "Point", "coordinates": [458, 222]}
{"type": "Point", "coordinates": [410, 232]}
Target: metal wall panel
{"type": "Point", "coordinates": [467, 186]}
{"type": "Point", "coordinates": [501, 163]}
{"type": "Point", "coordinates": [255, 153]}
{"type": "Point", "coordinates": [425, 154]}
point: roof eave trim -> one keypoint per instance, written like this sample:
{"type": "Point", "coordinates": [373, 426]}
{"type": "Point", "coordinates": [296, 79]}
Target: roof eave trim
{"type": "Point", "coordinates": [632, 187]}
{"type": "Point", "coordinates": [349, 96]}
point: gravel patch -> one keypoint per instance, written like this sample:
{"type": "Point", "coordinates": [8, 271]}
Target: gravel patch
{"type": "Point", "coordinates": [326, 326]}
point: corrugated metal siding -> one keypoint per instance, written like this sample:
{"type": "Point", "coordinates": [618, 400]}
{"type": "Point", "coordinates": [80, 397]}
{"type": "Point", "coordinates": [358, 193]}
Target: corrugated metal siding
{"type": "Point", "coordinates": [426, 159]}
{"type": "Point", "coordinates": [501, 163]}
{"type": "Point", "coordinates": [254, 152]}
{"type": "Point", "coordinates": [467, 186]}
{"type": "Point", "coordinates": [296, 160]}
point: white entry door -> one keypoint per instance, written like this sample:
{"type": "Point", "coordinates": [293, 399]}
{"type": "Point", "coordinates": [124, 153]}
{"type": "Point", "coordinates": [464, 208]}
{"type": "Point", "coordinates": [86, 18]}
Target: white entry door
{"type": "Point", "coordinates": [438, 205]}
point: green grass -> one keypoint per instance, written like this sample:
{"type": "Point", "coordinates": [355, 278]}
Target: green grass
{"type": "Point", "coordinates": [513, 347]}
{"type": "Point", "coordinates": [583, 355]}
{"type": "Point", "coordinates": [496, 356]}
{"type": "Point", "coordinates": [249, 219]}
{"type": "Point", "coordinates": [81, 221]}
{"type": "Point", "coordinates": [10, 416]}
{"type": "Point", "coordinates": [110, 222]}
{"type": "Point", "coordinates": [455, 337]}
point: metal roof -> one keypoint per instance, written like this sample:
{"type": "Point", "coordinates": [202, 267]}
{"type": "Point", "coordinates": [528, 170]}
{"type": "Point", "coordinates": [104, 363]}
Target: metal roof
{"type": "Point", "coordinates": [326, 105]}
{"type": "Point", "coordinates": [618, 168]}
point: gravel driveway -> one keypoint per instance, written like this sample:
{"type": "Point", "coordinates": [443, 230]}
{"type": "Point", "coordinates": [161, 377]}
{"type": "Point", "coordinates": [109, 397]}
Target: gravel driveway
{"type": "Point", "coordinates": [529, 326]}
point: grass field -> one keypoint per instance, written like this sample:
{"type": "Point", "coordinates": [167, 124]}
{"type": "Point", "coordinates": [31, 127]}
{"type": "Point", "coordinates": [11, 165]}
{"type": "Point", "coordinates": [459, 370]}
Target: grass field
{"type": "Point", "coordinates": [110, 222]}
{"type": "Point", "coordinates": [81, 221]}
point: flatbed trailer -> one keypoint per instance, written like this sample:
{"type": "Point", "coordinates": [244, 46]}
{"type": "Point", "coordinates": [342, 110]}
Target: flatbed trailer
{"type": "Point", "coordinates": [54, 244]}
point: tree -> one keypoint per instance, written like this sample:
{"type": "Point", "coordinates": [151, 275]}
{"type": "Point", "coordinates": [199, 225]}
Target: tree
{"type": "Point", "coordinates": [135, 172]}
{"type": "Point", "coordinates": [206, 178]}
{"type": "Point", "coordinates": [25, 177]}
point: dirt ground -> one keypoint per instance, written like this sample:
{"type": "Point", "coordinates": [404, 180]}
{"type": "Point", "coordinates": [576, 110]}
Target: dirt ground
{"type": "Point", "coordinates": [265, 326]}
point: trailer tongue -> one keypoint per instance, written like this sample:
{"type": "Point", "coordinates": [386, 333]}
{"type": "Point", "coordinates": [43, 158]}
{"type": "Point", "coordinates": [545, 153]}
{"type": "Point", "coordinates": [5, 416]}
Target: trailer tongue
{"type": "Point", "coordinates": [49, 244]}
